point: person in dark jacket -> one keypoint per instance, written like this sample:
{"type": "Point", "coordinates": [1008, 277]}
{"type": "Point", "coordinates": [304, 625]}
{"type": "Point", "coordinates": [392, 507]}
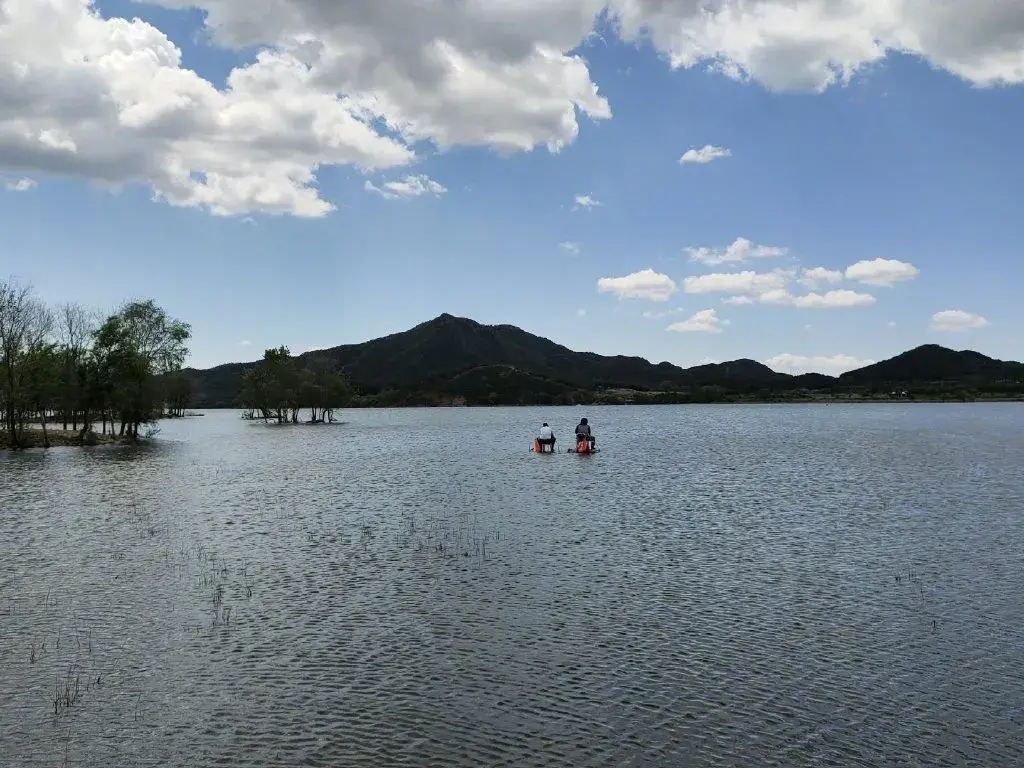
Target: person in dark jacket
{"type": "Point", "coordinates": [583, 431]}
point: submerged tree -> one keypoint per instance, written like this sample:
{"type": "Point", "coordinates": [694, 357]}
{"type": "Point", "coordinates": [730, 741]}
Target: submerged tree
{"type": "Point", "coordinates": [75, 329]}
{"type": "Point", "coordinates": [178, 393]}
{"type": "Point", "coordinates": [279, 388]}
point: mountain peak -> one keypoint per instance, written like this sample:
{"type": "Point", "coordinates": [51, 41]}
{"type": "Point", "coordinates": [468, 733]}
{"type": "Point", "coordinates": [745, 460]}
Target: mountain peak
{"type": "Point", "coordinates": [459, 358]}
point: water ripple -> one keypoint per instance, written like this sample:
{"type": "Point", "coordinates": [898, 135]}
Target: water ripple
{"type": "Point", "coordinates": [782, 586]}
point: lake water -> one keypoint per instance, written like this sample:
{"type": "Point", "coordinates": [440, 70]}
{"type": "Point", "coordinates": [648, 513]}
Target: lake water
{"type": "Point", "coordinates": [719, 586]}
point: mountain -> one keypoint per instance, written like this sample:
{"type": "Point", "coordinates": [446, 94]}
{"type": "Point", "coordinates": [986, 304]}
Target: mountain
{"type": "Point", "coordinates": [454, 359]}
{"type": "Point", "coordinates": [932, 364]}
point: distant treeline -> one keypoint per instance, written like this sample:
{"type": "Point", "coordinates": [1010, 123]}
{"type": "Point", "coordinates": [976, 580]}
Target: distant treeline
{"type": "Point", "coordinates": [75, 366]}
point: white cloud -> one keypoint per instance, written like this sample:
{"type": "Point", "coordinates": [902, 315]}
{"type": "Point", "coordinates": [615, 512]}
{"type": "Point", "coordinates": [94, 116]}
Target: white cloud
{"type": "Point", "coordinates": [957, 321]}
{"type": "Point", "coordinates": [246, 343]}
{"type": "Point", "coordinates": [651, 315]}
{"type": "Point", "coordinates": [109, 100]}
{"type": "Point", "coordinates": [833, 299]}
{"type": "Point", "coordinates": [361, 84]}
{"type": "Point", "coordinates": [746, 283]}
{"type": "Point", "coordinates": [586, 202]}
{"type": "Point", "coordinates": [891, 324]}
{"type": "Point", "coordinates": [812, 45]}
{"type": "Point", "coordinates": [829, 365]}
{"type": "Point", "coordinates": [572, 248]}
{"type": "Point", "coordinates": [884, 272]}
{"type": "Point", "coordinates": [581, 313]}
{"type": "Point", "coordinates": [739, 251]}
{"type": "Point", "coordinates": [21, 185]}
{"type": "Point", "coordinates": [705, 321]}
{"type": "Point", "coordinates": [817, 276]}
{"type": "Point", "coordinates": [407, 188]}
{"type": "Point", "coordinates": [645, 284]}
{"type": "Point", "coordinates": [776, 296]}
{"type": "Point", "coordinates": [704, 155]}
{"type": "Point", "coordinates": [737, 301]}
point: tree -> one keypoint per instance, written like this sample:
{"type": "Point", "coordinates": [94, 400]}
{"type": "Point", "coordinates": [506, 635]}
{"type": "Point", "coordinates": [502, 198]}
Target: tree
{"type": "Point", "coordinates": [75, 328]}
{"type": "Point", "coordinates": [25, 323]}
{"type": "Point", "coordinates": [279, 387]}
{"type": "Point", "coordinates": [324, 389]}
{"type": "Point", "coordinates": [134, 347]}
{"type": "Point", "coordinates": [41, 368]}
{"type": "Point", "coordinates": [177, 393]}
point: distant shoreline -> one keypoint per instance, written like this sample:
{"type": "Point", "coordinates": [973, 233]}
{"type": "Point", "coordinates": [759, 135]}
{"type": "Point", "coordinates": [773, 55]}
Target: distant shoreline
{"type": "Point", "coordinates": [787, 401]}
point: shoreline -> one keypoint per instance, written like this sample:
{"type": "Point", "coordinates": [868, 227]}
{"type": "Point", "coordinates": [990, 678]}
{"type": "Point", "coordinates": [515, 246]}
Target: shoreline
{"type": "Point", "coordinates": [58, 438]}
{"type": "Point", "coordinates": [597, 404]}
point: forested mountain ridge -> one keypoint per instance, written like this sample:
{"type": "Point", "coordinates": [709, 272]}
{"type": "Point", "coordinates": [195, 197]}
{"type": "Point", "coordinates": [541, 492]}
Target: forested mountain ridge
{"type": "Point", "coordinates": [453, 360]}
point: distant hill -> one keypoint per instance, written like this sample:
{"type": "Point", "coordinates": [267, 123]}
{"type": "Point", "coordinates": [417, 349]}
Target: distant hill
{"type": "Point", "coordinates": [454, 359]}
{"type": "Point", "coordinates": [932, 364]}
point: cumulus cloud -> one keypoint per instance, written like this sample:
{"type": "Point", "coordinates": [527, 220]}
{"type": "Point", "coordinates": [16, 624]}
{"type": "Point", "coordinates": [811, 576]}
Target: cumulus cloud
{"type": "Point", "coordinates": [747, 283]}
{"type": "Point", "coordinates": [813, 278]}
{"type": "Point", "coordinates": [832, 365]}
{"type": "Point", "coordinates": [331, 84]}
{"type": "Point", "coordinates": [362, 84]}
{"type": "Point", "coordinates": [810, 46]}
{"type": "Point", "coordinates": [407, 188]}
{"type": "Point", "coordinates": [704, 321]}
{"type": "Point", "coordinates": [833, 299]}
{"type": "Point", "coordinates": [741, 250]}
{"type": "Point", "coordinates": [645, 284]}
{"type": "Point", "coordinates": [737, 301]}
{"type": "Point", "coordinates": [776, 296]}
{"type": "Point", "coordinates": [21, 185]}
{"type": "Point", "coordinates": [957, 321]}
{"type": "Point", "coordinates": [704, 155]}
{"type": "Point", "coordinates": [883, 272]}
{"type": "Point", "coordinates": [572, 248]}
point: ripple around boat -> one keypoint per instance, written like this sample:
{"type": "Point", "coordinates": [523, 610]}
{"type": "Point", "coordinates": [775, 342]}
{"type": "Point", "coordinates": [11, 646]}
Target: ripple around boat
{"type": "Point", "coordinates": [744, 585]}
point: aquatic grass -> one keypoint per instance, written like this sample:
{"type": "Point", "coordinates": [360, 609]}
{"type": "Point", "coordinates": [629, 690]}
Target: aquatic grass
{"type": "Point", "coordinates": [66, 691]}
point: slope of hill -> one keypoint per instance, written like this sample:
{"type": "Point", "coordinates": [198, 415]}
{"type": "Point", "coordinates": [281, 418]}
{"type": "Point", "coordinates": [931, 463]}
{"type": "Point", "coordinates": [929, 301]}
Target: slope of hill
{"type": "Point", "coordinates": [932, 364]}
{"type": "Point", "coordinates": [453, 359]}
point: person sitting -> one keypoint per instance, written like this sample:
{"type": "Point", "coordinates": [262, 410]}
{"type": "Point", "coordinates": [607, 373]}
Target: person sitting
{"type": "Point", "coordinates": [583, 432]}
{"type": "Point", "coordinates": [546, 437]}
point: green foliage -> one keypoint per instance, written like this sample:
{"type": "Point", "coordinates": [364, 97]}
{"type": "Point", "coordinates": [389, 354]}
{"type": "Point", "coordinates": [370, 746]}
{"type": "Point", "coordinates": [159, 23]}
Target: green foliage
{"type": "Point", "coordinates": [66, 364]}
{"type": "Point", "coordinates": [280, 386]}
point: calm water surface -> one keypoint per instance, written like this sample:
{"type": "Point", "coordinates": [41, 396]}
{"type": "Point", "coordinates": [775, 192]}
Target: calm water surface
{"type": "Point", "coordinates": [720, 586]}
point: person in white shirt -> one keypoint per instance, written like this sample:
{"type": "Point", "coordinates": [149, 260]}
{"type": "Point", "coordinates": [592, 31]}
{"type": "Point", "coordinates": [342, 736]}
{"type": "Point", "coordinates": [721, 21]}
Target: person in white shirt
{"type": "Point", "coordinates": [546, 436]}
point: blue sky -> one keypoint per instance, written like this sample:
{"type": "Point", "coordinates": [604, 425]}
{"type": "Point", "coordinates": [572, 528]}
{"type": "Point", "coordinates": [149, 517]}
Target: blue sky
{"type": "Point", "coordinates": [915, 161]}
